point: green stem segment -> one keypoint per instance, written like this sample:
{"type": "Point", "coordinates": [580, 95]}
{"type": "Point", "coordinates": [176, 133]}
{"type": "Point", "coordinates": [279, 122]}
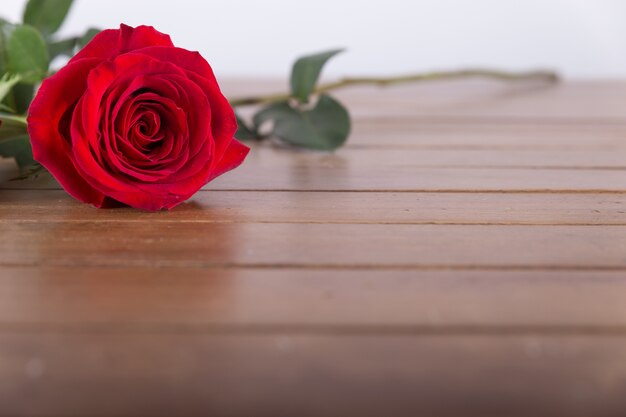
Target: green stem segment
{"type": "Point", "coordinates": [542, 76]}
{"type": "Point", "coordinates": [13, 118]}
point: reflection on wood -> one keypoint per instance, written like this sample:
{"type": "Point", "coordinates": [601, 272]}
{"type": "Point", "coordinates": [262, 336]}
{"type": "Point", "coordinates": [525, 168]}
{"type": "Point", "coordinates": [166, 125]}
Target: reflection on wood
{"type": "Point", "coordinates": [464, 255]}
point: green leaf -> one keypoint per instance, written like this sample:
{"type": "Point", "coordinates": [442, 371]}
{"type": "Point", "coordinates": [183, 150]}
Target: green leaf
{"type": "Point", "coordinates": [325, 127]}
{"type": "Point", "coordinates": [244, 132]}
{"type": "Point", "coordinates": [23, 95]}
{"type": "Point", "coordinates": [87, 37]}
{"type": "Point", "coordinates": [46, 15]}
{"type": "Point", "coordinates": [64, 47]}
{"type": "Point", "coordinates": [68, 47]}
{"type": "Point", "coordinates": [7, 81]}
{"type": "Point", "coordinates": [27, 54]}
{"type": "Point", "coordinates": [306, 72]}
{"type": "Point", "coordinates": [6, 29]}
{"type": "Point", "coordinates": [18, 147]}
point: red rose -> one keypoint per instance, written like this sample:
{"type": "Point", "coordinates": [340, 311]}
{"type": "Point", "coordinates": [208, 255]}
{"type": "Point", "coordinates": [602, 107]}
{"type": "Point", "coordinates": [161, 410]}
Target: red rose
{"type": "Point", "coordinates": [135, 120]}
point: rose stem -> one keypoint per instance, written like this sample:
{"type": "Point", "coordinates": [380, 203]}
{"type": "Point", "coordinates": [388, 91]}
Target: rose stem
{"type": "Point", "coordinates": [12, 118]}
{"type": "Point", "coordinates": [546, 76]}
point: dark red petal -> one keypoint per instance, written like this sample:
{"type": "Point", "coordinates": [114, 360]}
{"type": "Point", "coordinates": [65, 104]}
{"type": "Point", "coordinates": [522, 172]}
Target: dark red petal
{"type": "Point", "coordinates": [49, 138]}
{"type": "Point", "coordinates": [112, 42]}
{"type": "Point", "coordinates": [189, 60]}
{"type": "Point", "coordinates": [87, 125]}
{"type": "Point", "coordinates": [224, 124]}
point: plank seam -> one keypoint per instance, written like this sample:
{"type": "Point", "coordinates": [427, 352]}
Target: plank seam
{"type": "Point", "coordinates": [319, 266]}
{"type": "Point", "coordinates": [337, 222]}
{"type": "Point", "coordinates": [390, 330]}
{"type": "Point", "coordinates": [404, 190]}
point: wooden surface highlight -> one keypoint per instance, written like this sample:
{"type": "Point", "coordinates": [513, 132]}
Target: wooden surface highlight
{"type": "Point", "coordinates": [464, 255]}
{"type": "Point", "coordinates": [335, 207]}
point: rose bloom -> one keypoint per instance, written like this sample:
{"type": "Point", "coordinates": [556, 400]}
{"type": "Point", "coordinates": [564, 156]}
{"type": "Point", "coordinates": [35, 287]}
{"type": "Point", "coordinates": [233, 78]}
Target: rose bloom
{"type": "Point", "coordinates": [132, 119]}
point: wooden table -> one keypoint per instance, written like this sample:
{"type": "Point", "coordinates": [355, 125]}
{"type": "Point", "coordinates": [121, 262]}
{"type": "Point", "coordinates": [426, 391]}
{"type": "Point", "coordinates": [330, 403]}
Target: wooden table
{"type": "Point", "coordinates": [464, 255]}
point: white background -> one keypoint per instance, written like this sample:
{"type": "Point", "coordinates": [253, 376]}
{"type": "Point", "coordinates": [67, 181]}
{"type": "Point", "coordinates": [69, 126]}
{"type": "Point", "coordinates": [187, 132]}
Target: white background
{"type": "Point", "coordinates": [580, 38]}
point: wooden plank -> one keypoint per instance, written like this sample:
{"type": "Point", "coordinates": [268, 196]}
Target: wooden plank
{"type": "Point", "coordinates": [180, 374]}
{"type": "Point", "coordinates": [565, 104]}
{"type": "Point", "coordinates": [372, 170]}
{"type": "Point", "coordinates": [312, 245]}
{"type": "Point", "coordinates": [429, 134]}
{"type": "Point", "coordinates": [332, 207]}
{"type": "Point", "coordinates": [572, 102]}
{"type": "Point", "coordinates": [580, 102]}
{"type": "Point", "coordinates": [343, 303]}
{"type": "Point", "coordinates": [73, 299]}
{"type": "Point", "coordinates": [342, 178]}
{"type": "Point", "coordinates": [409, 158]}
{"type": "Point", "coordinates": [377, 179]}
{"type": "Point", "coordinates": [388, 122]}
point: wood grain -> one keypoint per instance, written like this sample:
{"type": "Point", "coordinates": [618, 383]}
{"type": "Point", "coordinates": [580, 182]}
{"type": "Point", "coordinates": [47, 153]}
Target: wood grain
{"type": "Point", "coordinates": [337, 245]}
{"type": "Point", "coordinates": [70, 299]}
{"type": "Point", "coordinates": [430, 134]}
{"type": "Point", "coordinates": [364, 169]}
{"type": "Point", "coordinates": [464, 255]}
{"type": "Point", "coordinates": [403, 160]}
{"type": "Point", "coordinates": [275, 169]}
{"type": "Point", "coordinates": [165, 374]}
{"type": "Point", "coordinates": [333, 207]}
{"type": "Point", "coordinates": [579, 103]}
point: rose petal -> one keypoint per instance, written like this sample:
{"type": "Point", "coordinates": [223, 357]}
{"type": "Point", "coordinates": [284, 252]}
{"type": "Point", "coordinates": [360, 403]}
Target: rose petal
{"type": "Point", "coordinates": [225, 124]}
{"type": "Point", "coordinates": [110, 43]}
{"type": "Point", "coordinates": [233, 157]}
{"type": "Point", "coordinates": [50, 143]}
